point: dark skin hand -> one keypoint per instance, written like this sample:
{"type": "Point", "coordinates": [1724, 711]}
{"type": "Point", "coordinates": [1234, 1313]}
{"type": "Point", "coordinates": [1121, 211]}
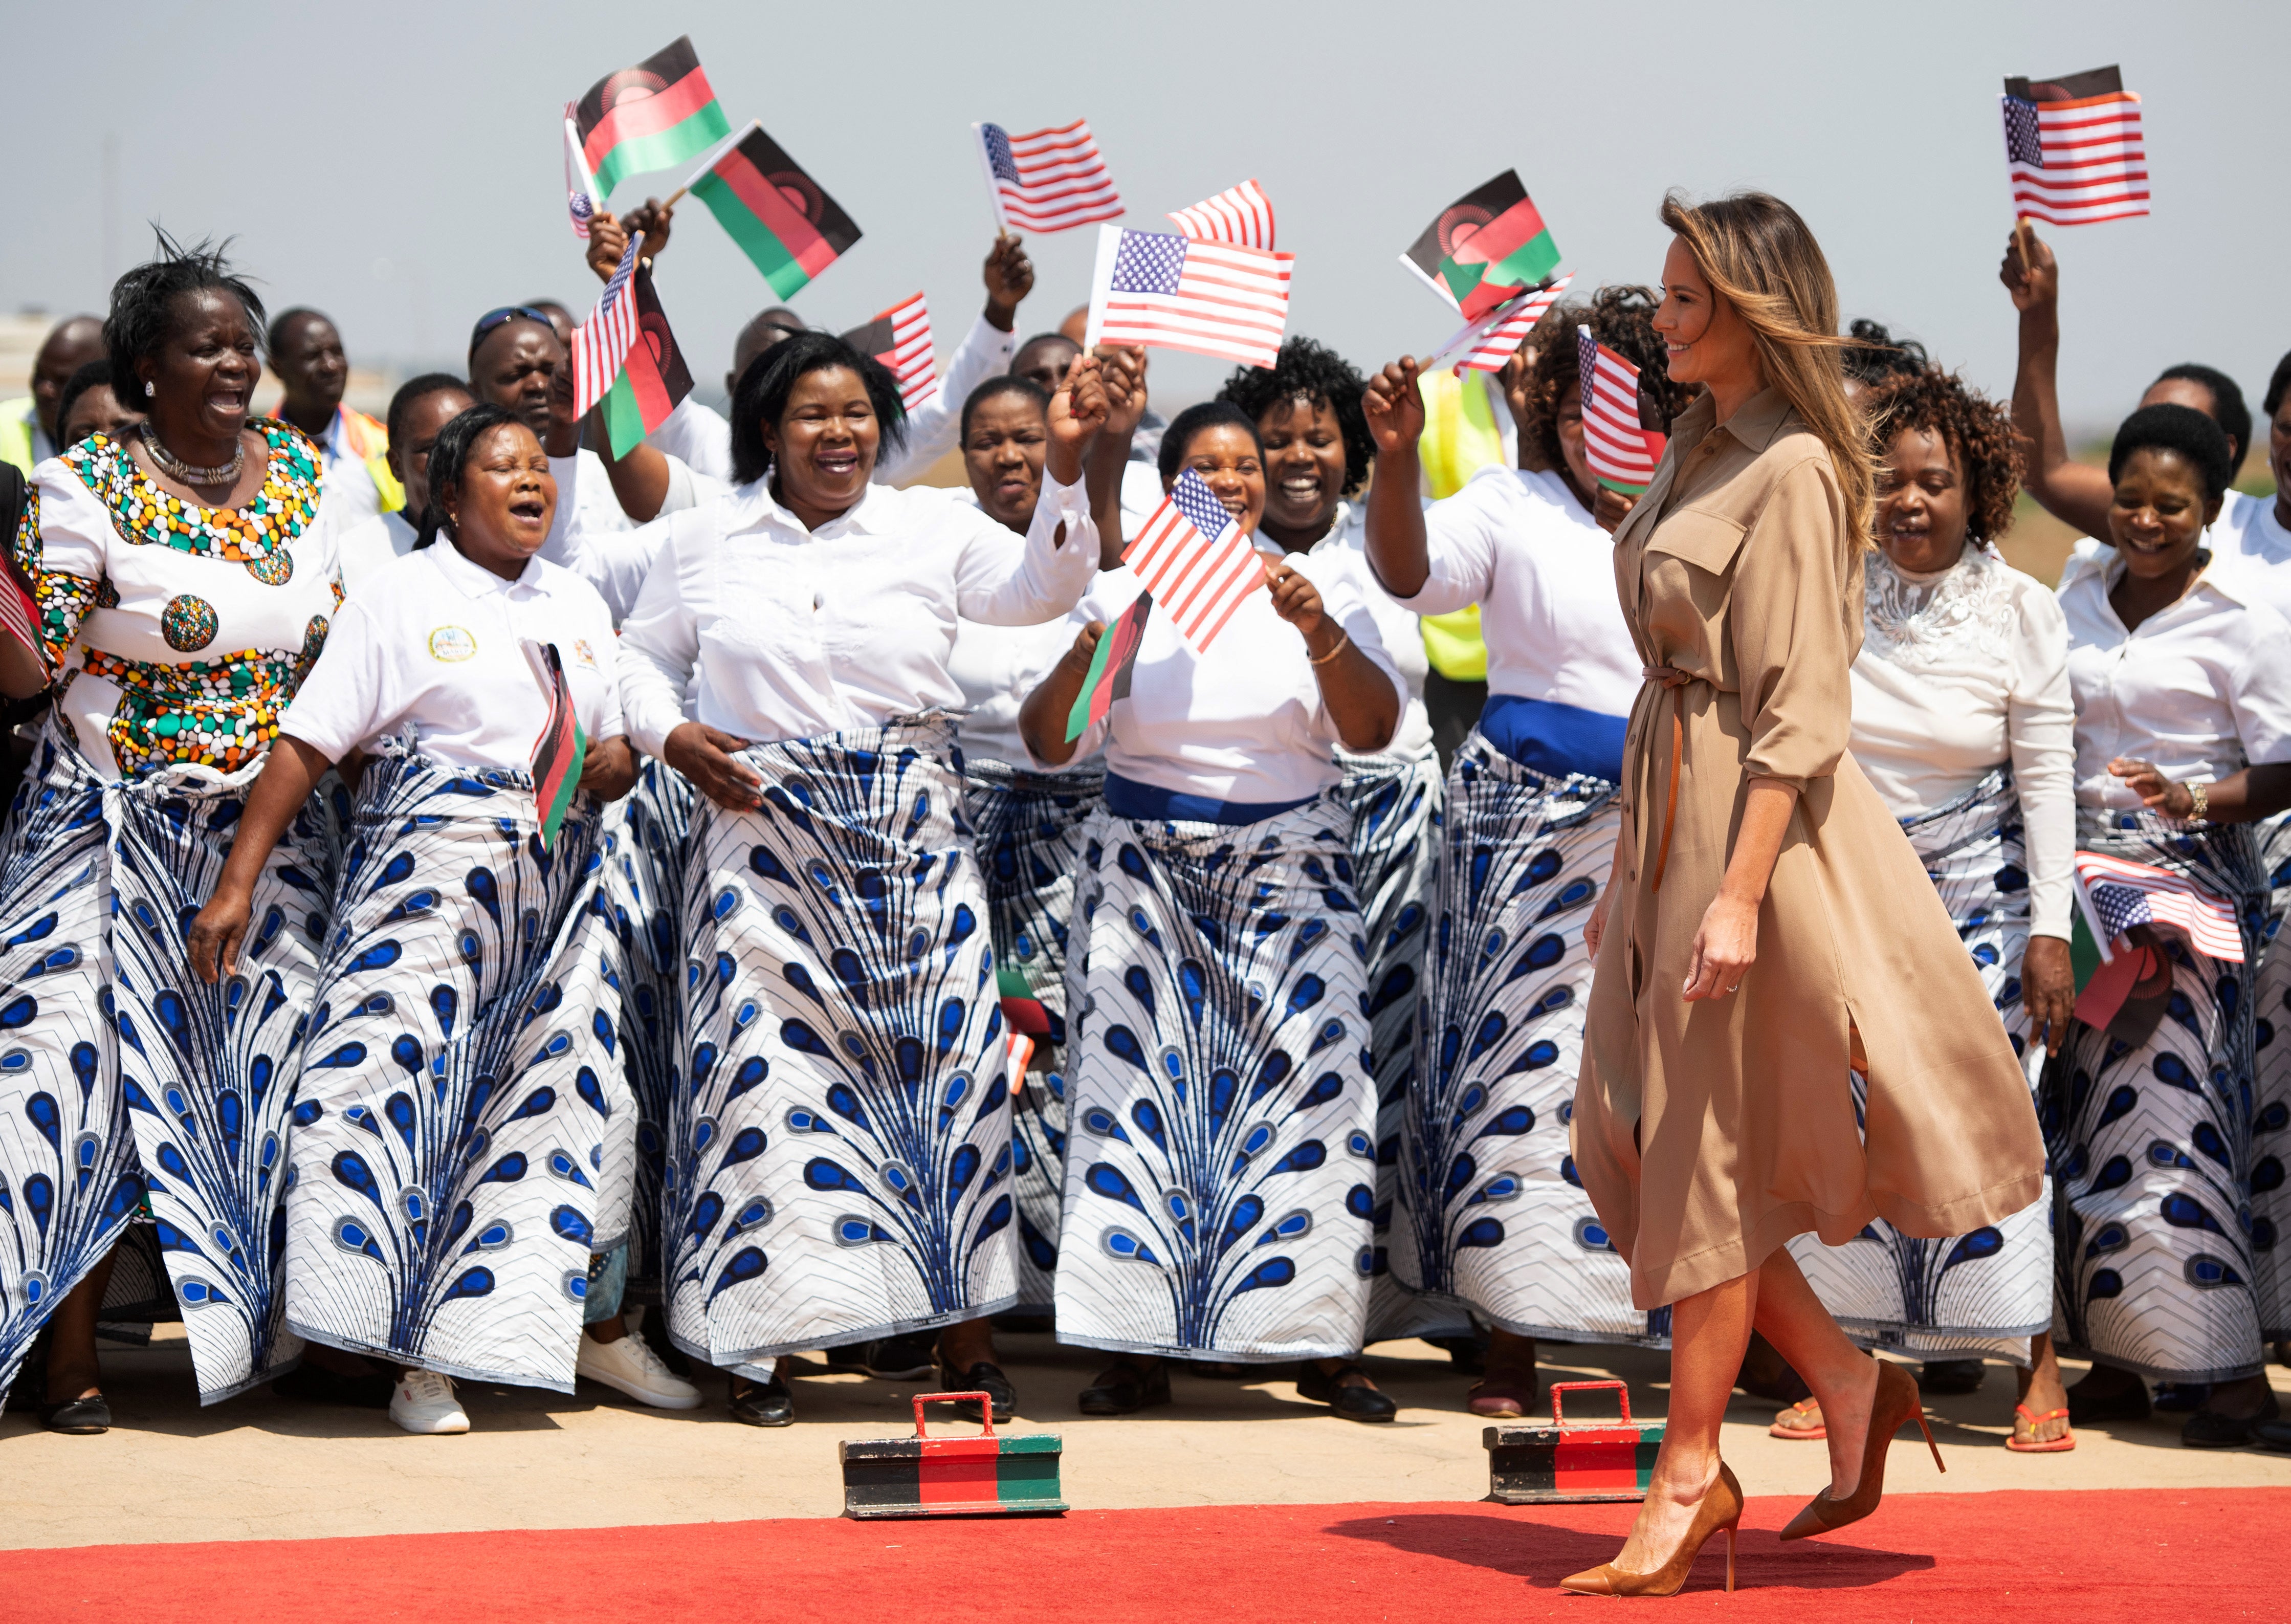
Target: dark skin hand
{"type": "Point", "coordinates": [608, 236]}
{"type": "Point", "coordinates": [1122, 369]}
{"type": "Point", "coordinates": [2074, 493]}
{"type": "Point", "coordinates": [1923, 524]}
{"type": "Point", "coordinates": [310, 361]}
{"type": "Point", "coordinates": [498, 518]}
{"type": "Point", "coordinates": [823, 454]}
{"type": "Point", "coordinates": [1009, 278]}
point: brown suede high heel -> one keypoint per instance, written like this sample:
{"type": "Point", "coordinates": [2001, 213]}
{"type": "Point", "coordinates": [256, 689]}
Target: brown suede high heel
{"type": "Point", "coordinates": [1895, 1404]}
{"type": "Point", "coordinates": [1721, 1508]}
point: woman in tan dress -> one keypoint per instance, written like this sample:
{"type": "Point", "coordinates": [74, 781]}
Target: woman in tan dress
{"type": "Point", "coordinates": [1768, 922]}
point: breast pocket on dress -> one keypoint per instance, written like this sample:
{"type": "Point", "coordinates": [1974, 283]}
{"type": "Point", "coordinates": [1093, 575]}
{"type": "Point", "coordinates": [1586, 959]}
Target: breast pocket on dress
{"type": "Point", "coordinates": [1706, 541]}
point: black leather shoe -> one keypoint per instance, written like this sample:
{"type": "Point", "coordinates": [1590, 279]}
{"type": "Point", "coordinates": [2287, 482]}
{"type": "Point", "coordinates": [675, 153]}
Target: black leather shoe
{"type": "Point", "coordinates": [2272, 1434]}
{"type": "Point", "coordinates": [762, 1403]}
{"type": "Point", "coordinates": [314, 1384]}
{"type": "Point", "coordinates": [981, 1377]}
{"type": "Point", "coordinates": [82, 1415]}
{"type": "Point", "coordinates": [1355, 1403]}
{"type": "Point", "coordinates": [2128, 1403]}
{"type": "Point", "coordinates": [1952, 1375]}
{"type": "Point", "coordinates": [913, 1358]}
{"type": "Point", "coordinates": [1125, 1389]}
{"type": "Point", "coordinates": [2209, 1429]}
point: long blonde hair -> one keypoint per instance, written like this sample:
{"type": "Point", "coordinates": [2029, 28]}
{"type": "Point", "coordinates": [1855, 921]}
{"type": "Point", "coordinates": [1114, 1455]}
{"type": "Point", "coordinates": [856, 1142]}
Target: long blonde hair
{"type": "Point", "coordinates": [1757, 254]}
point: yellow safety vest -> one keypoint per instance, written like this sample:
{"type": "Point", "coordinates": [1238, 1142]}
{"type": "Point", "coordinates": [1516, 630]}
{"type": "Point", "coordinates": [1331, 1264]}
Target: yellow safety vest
{"type": "Point", "coordinates": [1460, 437]}
{"type": "Point", "coordinates": [16, 421]}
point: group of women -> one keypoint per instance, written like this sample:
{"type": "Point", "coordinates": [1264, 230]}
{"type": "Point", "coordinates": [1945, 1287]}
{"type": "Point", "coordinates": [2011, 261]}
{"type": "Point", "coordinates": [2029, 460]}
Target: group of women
{"type": "Point", "coordinates": [424, 935]}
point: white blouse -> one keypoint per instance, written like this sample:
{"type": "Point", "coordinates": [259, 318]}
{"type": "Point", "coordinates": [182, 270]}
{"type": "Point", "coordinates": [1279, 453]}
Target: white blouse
{"type": "Point", "coordinates": [1403, 636]}
{"type": "Point", "coordinates": [2250, 545]}
{"type": "Point", "coordinates": [1960, 672]}
{"type": "Point", "coordinates": [372, 546]}
{"type": "Point", "coordinates": [2202, 689]}
{"type": "Point", "coordinates": [1244, 722]}
{"type": "Point", "coordinates": [437, 643]}
{"type": "Point", "coordinates": [796, 633]}
{"type": "Point", "coordinates": [1519, 544]}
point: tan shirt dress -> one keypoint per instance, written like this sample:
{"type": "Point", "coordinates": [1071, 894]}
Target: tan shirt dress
{"type": "Point", "coordinates": [1707, 1134]}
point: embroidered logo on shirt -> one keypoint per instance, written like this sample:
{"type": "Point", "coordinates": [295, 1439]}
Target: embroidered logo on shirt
{"type": "Point", "coordinates": [583, 653]}
{"type": "Point", "coordinates": [452, 644]}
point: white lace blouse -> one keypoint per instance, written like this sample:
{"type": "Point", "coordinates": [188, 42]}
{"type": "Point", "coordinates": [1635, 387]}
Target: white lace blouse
{"type": "Point", "coordinates": [1961, 672]}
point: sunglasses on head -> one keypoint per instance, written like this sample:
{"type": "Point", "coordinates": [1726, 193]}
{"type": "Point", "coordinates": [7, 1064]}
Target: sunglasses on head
{"type": "Point", "coordinates": [491, 319]}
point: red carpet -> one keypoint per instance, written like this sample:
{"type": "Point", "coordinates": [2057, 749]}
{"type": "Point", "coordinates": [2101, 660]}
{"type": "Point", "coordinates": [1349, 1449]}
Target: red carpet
{"type": "Point", "coordinates": [2097, 1557]}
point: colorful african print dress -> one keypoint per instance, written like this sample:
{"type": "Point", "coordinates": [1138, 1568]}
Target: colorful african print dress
{"type": "Point", "coordinates": [839, 1159]}
{"type": "Point", "coordinates": [2152, 1144]}
{"type": "Point", "coordinates": [1989, 1292]}
{"type": "Point", "coordinates": [464, 1137]}
{"type": "Point", "coordinates": [1492, 1215]}
{"type": "Point", "coordinates": [1220, 1170]}
{"type": "Point", "coordinates": [1027, 830]}
{"type": "Point", "coordinates": [180, 635]}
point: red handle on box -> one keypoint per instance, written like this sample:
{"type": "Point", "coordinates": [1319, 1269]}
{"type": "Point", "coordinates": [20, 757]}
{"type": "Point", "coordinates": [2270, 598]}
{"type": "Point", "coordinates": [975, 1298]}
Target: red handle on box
{"type": "Point", "coordinates": [985, 1408]}
{"type": "Point", "coordinates": [1622, 1396]}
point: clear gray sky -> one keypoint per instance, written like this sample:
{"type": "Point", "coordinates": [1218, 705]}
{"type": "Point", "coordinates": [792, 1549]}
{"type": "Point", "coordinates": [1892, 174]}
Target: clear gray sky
{"type": "Point", "coordinates": [398, 164]}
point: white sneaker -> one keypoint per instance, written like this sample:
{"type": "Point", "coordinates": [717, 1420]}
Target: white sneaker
{"type": "Point", "coordinates": [424, 1403]}
{"type": "Point", "coordinates": [629, 1364]}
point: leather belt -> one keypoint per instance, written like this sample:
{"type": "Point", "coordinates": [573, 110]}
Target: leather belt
{"type": "Point", "coordinates": [1671, 678]}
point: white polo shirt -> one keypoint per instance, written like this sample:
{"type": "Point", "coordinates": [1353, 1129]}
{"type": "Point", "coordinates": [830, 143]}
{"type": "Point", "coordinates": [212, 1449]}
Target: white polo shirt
{"type": "Point", "coordinates": [437, 643]}
{"type": "Point", "coordinates": [2202, 689]}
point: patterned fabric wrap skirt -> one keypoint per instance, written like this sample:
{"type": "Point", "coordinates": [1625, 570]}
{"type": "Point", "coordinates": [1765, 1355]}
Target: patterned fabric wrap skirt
{"type": "Point", "coordinates": [464, 1136]}
{"type": "Point", "coordinates": [839, 1166]}
{"type": "Point", "coordinates": [117, 1063]}
{"type": "Point", "coordinates": [2271, 1118]}
{"type": "Point", "coordinates": [2152, 1148]}
{"type": "Point", "coordinates": [1491, 1213]}
{"type": "Point", "coordinates": [647, 841]}
{"type": "Point", "coordinates": [1987, 1292]}
{"type": "Point", "coordinates": [1028, 831]}
{"type": "Point", "coordinates": [1220, 1166]}
{"type": "Point", "coordinates": [1396, 825]}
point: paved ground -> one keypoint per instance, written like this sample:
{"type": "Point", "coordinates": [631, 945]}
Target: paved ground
{"type": "Point", "coordinates": [258, 1468]}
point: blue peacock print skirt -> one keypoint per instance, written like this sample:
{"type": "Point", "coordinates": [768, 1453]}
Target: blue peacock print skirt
{"type": "Point", "coordinates": [1027, 831]}
{"type": "Point", "coordinates": [464, 1137]}
{"type": "Point", "coordinates": [2152, 1148]}
{"type": "Point", "coordinates": [839, 1165]}
{"type": "Point", "coordinates": [1221, 1170]}
{"type": "Point", "coordinates": [1492, 1215]}
{"type": "Point", "coordinates": [647, 842]}
{"type": "Point", "coordinates": [1397, 823]}
{"type": "Point", "coordinates": [2271, 1116]}
{"type": "Point", "coordinates": [1987, 1292]}
{"type": "Point", "coordinates": [123, 1079]}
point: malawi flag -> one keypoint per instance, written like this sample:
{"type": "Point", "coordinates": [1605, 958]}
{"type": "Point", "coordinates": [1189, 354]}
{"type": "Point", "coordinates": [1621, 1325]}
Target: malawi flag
{"type": "Point", "coordinates": [656, 115]}
{"type": "Point", "coordinates": [1110, 667]}
{"type": "Point", "coordinates": [557, 754]}
{"type": "Point", "coordinates": [1022, 1011]}
{"type": "Point", "coordinates": [776, 213]}
{"type": "Point", "coordinates": [653, 378]}
{"type": "Point", "coordinates": [1489, 246]}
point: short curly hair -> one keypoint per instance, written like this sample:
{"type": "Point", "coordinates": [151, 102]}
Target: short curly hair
{"type": "Point", "coordinates": [1304, 370]}
{"type": "Point", "coordinates": [1622, 318]}
{"type": "Point", "coordinates": [1877, 356]}
{"type": "Point", "coordinates": [1977, 430]}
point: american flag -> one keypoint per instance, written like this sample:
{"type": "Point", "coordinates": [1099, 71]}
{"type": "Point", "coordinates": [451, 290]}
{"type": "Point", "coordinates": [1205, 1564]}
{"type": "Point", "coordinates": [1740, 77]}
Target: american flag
{"type": "Point", "coordinates": [1242, 215]}
{"type": "Point", "coordinates": [1192, 558]}
{"type": "Point", "coordinates": [1508, 328]}
{"type": "Point", "coordinates": [2074, 148]}
{"type": "Point", "coordinates": [1047, 179]}
{"type": "Point", "coordinates": [601, 344]}
{"type": "Point", "coordinates": [2118, 894]}
{"type": "Point", "coordinates": [901, 338]}
{"type": "Point", "coordinates": [1620, 453]}
{"type": "Point", "coordinates": [1150, 288]}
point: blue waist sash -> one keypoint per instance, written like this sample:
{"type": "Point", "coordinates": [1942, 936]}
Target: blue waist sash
{"type": "Point", "coordinates": [1555, 739]}
{"type": "Point", "coordinates": [1128, 798]}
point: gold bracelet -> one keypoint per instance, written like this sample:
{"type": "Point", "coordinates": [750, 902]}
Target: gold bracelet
{"type": "Point", "coordinates": [2201, 802]}
{"type": "Point", "coordinates": [1344, 638]}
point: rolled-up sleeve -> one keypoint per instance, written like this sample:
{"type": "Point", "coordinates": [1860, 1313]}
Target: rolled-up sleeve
{"type": "Point", "coordinates": [660, 643]}
{"type": "Point", "coordinates": [1001, 580]}
{"type": "Point", "coordinates": [1787, 619]}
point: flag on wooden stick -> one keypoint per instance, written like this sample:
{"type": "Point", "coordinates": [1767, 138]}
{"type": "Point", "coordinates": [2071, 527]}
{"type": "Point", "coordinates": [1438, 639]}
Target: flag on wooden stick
{"type": "Point", "coordinates": [2073, 149]}
{"type": "Point", "coordinates": [1242, 215]}
{"type": "Point", "coordinates": [1621, 442]}
{"type": "Point", "coordinates": [1191, 557]}
{"type": "Point", "coordinates": [776, 212]}
{"type": "Point", "coordinates": [901, 338]}
{"type": "Point", "coordinates": [657, 114]}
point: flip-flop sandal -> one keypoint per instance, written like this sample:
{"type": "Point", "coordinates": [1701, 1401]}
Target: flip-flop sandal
{"type": "Point", "coordinates": [2031, 1445]}
{"type": "Point", "coordinates": [1807, 1413]}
